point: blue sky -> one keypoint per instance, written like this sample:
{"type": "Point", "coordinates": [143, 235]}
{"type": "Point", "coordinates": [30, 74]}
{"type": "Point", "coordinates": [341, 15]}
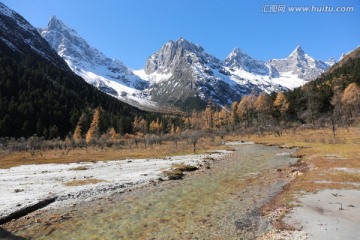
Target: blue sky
{"type": "Point", "coordinates": [132, 30]}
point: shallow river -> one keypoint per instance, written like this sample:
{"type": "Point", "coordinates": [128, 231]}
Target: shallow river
{"type": "Point", "coordinates": [219, 203]}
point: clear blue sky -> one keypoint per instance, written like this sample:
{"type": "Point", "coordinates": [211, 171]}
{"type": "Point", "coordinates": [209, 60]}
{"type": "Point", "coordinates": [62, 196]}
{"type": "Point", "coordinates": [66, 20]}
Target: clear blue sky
{"type": "Point", "coordinates": [131, 30]}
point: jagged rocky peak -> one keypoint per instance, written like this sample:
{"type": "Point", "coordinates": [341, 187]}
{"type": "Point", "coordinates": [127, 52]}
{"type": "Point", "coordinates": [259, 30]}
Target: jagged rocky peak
{"type": "Point", "coordinates": [238, 59]}
{"type": "Point", "coordinates": [179, 52]}
{"type": "Point", "coordinates": [55, 23]}
{"type": "Point", "coordinates": [298, 51]}
{"type": "Point", "coordinates": [301, 64]}
{"type": "Point", "coordinates": [66, 41]}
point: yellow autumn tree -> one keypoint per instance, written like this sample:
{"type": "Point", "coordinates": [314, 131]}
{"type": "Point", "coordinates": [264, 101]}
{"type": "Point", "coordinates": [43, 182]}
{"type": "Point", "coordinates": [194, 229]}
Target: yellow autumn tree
{"type": "Point", "coordinates": [136, 124]}
{"type": "Point", "coordinates": [196, 120]}
{"type": "Point", "coordinates": [263, 103]}
{"type": "Point", "coordinates": [156, 126]}
{"type": "Point", "coordinates": [143, 126]}
{"type": "Point", "coordinates": [77, 136]}
{"type": "Point", "coordinates": [93, 132]}
{"type": "Point", "coordinates": [224, 117]}
{"type": "Point", "coordinates": [208, 118]}
{"type": "Point", "coordinates": [263, 107]}
{"type": "Point", "coordinates": [234, 119]}
{"type": "Point", "coordinates": [113, 134]}
{"type": "Point", "coordinates": [246, 108]}
{"type": "Point", "coordinates": [281, 103]}
{"type": "Point", "coordinates": [351, 98]}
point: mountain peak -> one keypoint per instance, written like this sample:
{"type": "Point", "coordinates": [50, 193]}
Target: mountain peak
{"type": "Point", "coordinates": [54, 21]}
{"type": "Point", "coordinates": [241, 60]}
{"type": "Point", "coordinates": [56, 24]}
{"type": "Point", "coordinates": [298, 51]}
{"type": "Point", "coordinates": [187, 45]}
{"type": "Point", "coordinates": [237, 51]}
{"type": "Point", "coordinates": [298, 48]}
{"type": "Point", "coordinates": [181, 39]}
{"type": "Point", "coordinates": [180, 52]}
{"type": "Point", "coordinates": [301, 64]}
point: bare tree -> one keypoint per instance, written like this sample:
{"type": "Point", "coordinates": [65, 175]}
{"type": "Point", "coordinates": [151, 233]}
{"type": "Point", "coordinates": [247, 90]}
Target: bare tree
{"type": "Point", "coordinates": [193, 137]}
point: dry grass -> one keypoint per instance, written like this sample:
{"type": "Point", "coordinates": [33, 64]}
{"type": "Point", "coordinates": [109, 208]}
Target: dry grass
{"type": "Point", "coordinates": [323, 155]}
{"type": "Point", "coordinates": [174, 174]}
{"type": "Point", "coordinates": [177, 171]}
{"type": "Point", "coordinates": [83, 182]}
{"type": "Point", "coordinates": [95, 154]}
{"type": "Point", "coordinates": [185, 167]}
{"type": "Point", "coordinates": [79, 168]}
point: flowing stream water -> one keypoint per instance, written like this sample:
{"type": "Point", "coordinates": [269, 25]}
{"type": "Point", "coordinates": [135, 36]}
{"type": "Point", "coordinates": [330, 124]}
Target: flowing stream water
{"type": "Point", "coordinates": [219, 203]}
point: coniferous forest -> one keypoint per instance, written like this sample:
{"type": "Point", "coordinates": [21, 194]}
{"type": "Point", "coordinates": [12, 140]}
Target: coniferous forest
{"type": "Point", "coordinates": [40, 98]}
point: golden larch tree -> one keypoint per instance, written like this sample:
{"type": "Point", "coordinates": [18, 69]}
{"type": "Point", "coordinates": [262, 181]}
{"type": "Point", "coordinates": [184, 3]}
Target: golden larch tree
{"type": "Point", "coordinates": [281, 103]}
{"type": "Point", "coordinates": [93, 132]}
{"type": "Point", "coordinates": [246, 108]}
{"type": "Point", "coordinates": [234, 119]}
{"type": "Point", "coordinates": [77, 136]}
{"type": "Point", "coordinates": [263, 107]}
{"type": "Point", "coordinates": [351, 98]}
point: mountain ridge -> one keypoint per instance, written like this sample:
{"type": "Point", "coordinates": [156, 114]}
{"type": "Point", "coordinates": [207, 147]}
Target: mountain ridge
{"type": "Point", "coordinates": [180, 70]}
{"type": "Point", "coordinates": [22, 38]}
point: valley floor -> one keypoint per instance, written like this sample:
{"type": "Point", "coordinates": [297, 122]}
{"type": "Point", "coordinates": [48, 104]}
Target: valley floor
{"type": "Point", "coordinates": [321, 202]}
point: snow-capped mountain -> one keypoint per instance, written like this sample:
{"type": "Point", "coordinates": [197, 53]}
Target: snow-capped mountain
{"type": "Point", "coordinates": [182, 71]}
{"type": "Point", "coordinates": [109, 75]}
{"type": "Point", "coordinates": [300, 64]}
{"type": "Point", "coordinates": [238, 59]}
{"type": "Point", "coordinates": [21, 37]}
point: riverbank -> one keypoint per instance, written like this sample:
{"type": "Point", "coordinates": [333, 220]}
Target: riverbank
{"type": "Point", "coordinates": [320, 203]}
{"type": "Point", "coordinates": [222, 202]}
{"type": "Point", "coordinates": [71, 184]}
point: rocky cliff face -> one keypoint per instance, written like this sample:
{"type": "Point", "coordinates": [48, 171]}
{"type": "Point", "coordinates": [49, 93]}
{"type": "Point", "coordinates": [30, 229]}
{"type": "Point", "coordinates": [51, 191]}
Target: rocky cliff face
{"type": "Point", "coordinates": [192, 74]}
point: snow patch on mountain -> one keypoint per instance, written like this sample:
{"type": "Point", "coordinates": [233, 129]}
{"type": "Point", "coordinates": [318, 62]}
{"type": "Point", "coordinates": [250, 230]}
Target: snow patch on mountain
{"type": "Point", "coordinates": [108, 75]}
{"type": "Point", "coordinates": [238, 59]}
{"type": "Point", "coordinates": [182, 69]}
{"type": "Point", "coordinates": [300, 64]}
